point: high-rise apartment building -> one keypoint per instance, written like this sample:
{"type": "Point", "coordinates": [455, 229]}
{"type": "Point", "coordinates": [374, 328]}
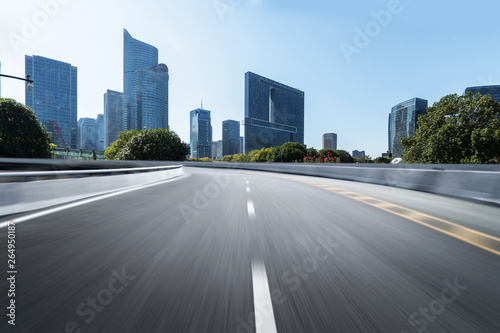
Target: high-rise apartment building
{"type": "Point", "coordinates": [357, 153]}
{"type": "Point", "coordinates": [274, 113]}
{"type": "Point", "coordinates": [230, 137]}
{"type": "Point", "coordinates": [403, 122]}
{"type": "Point", "coordinates": [86, 133]}
{"type": "Point", "coordinates": [494, 91]}
{"type": "Point", "coordinates": [200, 133]}
{"type": "Point", "coordinates": [54, 98]}
{"type": "Point", "coordinates": [99, 132]}
{"type": "Point", "coordinates": [145, 86]}
{"type": "Point", "coordinates": [113, 116]}
{"type": "Point", "coordinates": [330, 141]}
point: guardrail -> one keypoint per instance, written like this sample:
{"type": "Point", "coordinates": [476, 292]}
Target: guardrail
{"type": "Point", "coordinates": [472, 182]}
{"type": "Point", "coordinates": [31, 190]}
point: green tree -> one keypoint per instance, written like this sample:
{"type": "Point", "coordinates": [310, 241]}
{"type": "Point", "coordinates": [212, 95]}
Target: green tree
{"type": "Point", "coordinates": [154, 145]}
{"type": "Point", "coordinates": [324, 152]}
{"type": "Point", "coordinates": [383, 160]}
{"type": "Point", "coordinates": [344, 156]}
{"type": "Point", "coordinates": [112, 151]}
{"type": "Point", "coordinates": [227, 158]}
{"type": "Point", "coordinates": [363, 159]}
{"type": "Point", "coordinates": [311, 152]}
{"type": "Point", "coordinates": [288, 152]}
{"type": "Point", "coordinates": [263, 155]}
{"type": "Point", "coordinates": [457, 129]}
{"type": "Point", "coordinates": [21, 133]}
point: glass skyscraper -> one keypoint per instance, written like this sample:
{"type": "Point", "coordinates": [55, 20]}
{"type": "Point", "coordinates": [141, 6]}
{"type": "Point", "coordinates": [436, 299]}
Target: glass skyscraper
{"type": "Point", "coordinates": [494, 91]}
{"type": "Point", "coordinates": [113, 116]}
{"type": "Point", "coordinates": [152, 97]}
{"type": "Point", "coordinates": [54, 98]}
{"type": "Point", "coordinates": [201, 133]}
{"type": "Point", "coordinates": [403, 122]}
{"type": "Point", "coordinates": [145, 86]}
{"type": "Point", "coordinates": [230, 137]}
{"type": "Point", "coordinates": [330, 141]}
{"type": "Point", "coordinates": [86, 133]}
{"type": "Point", "coordinates": [274, 113]}
{"type": "Point", "coordinates": [99, 132]}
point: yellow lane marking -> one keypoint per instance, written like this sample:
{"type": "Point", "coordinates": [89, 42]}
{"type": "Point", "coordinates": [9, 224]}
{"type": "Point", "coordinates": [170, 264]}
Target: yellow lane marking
{"type": "Point", "coordinates": [468, 235]}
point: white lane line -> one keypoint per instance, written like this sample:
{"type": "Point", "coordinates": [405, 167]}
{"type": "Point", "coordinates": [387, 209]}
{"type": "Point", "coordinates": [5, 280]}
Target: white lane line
{"type": "Point", "coordinates": [263, 305]}
{"type": "Point", "coordinates": [248, 189]}
{"type": "Point", "coordinates": [84, 202]}
{"type": "Point", "coordinates": [247, 182]}
{"type": "Point", "coordinates": [251, 209]}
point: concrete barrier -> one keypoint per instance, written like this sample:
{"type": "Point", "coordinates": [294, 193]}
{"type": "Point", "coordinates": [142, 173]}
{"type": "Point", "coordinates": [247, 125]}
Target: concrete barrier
{"type": "Point", "coordinates": [18, 197]}
{"type": "Point", "coordinates": [471, 182]}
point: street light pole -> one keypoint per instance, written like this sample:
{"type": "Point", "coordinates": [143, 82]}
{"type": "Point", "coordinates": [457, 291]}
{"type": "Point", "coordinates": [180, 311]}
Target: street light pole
{"type": "Point", "coordinates": [27, 79]}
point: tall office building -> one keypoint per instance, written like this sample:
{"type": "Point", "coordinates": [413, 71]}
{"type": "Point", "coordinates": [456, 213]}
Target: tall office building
{"type": "Point", "coordinates": [99, 132]}
{"type": "Point", "coordinates": [113, 116]}
{"type": "Point", "coordinates": [214, 149]}
{"type": "Point", "coordinates": [86, 133]}
{"type": "Point", "coordinates": [241, 147]}
{"type": "Point", "coordinates": [357, 153]}
{"type": "Point", "coordinates": [330, 141]}
{"type": "Point", "coordinates": [145, 86]}
{"type": "Point", "coordinates": [219, 150]}
{"type": "Point", "coordinates": [230, 137]}
{"type": "Point", "coordinates": [201, 133]}
{"type": "Point", "coordinates": [274, 113]}
{"type": "Point", "coordinates": [152, 97]}
{"type": "Point", "coordinates": [54, 98]}
{"type": "Point", "coordinates": [494, 91]}
{"type": "Point", "coordinates": [403, 122]}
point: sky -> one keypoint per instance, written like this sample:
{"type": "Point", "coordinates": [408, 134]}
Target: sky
{"type": "Point", "coordinates": [354, 60]}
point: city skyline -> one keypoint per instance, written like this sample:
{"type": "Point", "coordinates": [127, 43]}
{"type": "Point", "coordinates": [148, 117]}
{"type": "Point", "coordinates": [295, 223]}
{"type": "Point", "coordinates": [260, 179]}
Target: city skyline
{"type": "Point", "coordinates": [208, 53]}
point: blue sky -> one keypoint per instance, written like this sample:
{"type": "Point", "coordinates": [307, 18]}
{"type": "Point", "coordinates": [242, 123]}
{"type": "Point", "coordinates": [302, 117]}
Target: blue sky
{"type": "Point", "coordinates": [423, 49]}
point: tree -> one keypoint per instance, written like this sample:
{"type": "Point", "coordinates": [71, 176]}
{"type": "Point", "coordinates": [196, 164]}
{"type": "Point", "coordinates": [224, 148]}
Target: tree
{"type": "Point", "coordinates": [344, 156]}
{"type": "Point", "coordinates": [21, 133]}
{"type": "Point", "coordinates": [288, 152]}
{"type": "Point", "coordinates": [457, 129]}
{"type": "Point", "coordinates": [363, 159]}
{"type": "Point", "coordinates": [154, 145]}
{"type": "Point", "coordinates": [383, 160]}
{"type": "Point", "coordinates": [324, 152]}
{"type": "Point", "coordinates": [112, 151]}
{"type": "Point", "coordinates": [263, 155]}
{"type": "Point", "coordinates": [312, 152]}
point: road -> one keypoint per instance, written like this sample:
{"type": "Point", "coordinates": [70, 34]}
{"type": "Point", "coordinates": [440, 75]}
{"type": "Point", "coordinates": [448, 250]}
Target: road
{"type": "Point", "coordinates": [242, 251]}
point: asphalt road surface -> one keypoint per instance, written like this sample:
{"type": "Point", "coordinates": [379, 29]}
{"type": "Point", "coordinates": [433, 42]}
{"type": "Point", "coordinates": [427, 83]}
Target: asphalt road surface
{"type": "Point", "coordinates": [241, 251]}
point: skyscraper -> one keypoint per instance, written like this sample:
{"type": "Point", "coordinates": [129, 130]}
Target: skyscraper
{"type": "Point", "coordinates": [152, 97]}
{"type": "Point", "coordinates": [403, 122]}
{"type": "Point", "coordinates": [274, 113]}
{"type": "Point", "coordinates": [357, 153]}
{"type": "Point", "coordinates": [86, 133]}
{"type": "Point", "coordinates": [99, 132]}
{"type": "Point", "coordinates": [494, 91]}
{"type": "Point", "coordinates": [145, 86]}
{"type": "Point", "coordinates": [330, 141]}
{"type": "Point", "coordinates": [201, 133]}
{"type": "Point", "coordinates": [54, 98]}
{"type": "Point", "coordinates": [230, 137]}
{"type": "Point", "coordinates": [113, 116]}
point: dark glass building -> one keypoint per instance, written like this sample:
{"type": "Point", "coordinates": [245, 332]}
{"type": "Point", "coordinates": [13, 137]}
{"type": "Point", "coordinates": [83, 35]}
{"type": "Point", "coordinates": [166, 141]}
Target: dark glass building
{"type": "Point", "coordinates": [494, 91]}
{"type": "Point", "coordinates": [403, 122]}
{"type": "Point", "coordinates": [113, 116]}
{"type": "Point", "coordinates": [99, 132]}
{"type": "Point", "coordinates": [54, 98]}
{"type": "Point", "coordinates": [201, 133]}
{"type": "Point", "coordinates": [230, 137]}
{"type": "Point", "coordinates": [274, 113]}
